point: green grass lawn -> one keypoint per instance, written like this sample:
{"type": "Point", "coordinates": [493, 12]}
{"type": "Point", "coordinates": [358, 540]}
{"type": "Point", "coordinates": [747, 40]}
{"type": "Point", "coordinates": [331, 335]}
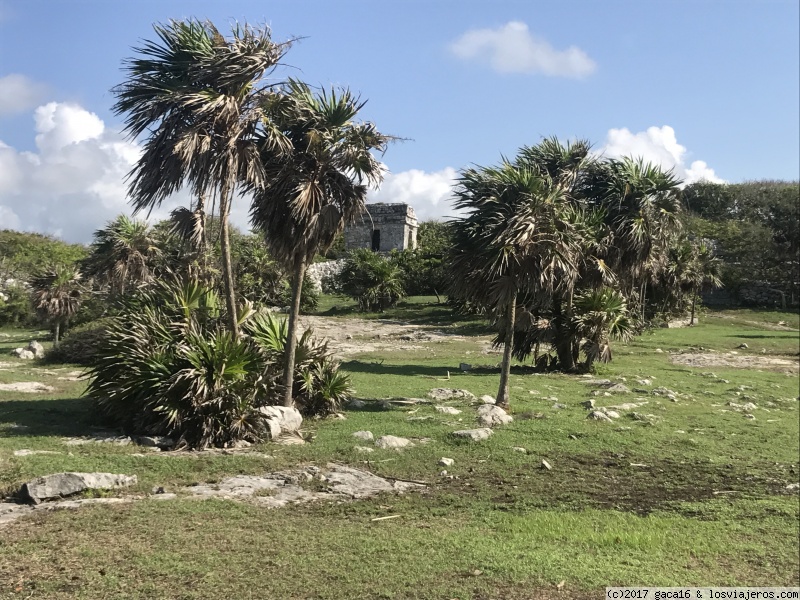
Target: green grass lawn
{"type": "Point", "coordinates": [695, 496]}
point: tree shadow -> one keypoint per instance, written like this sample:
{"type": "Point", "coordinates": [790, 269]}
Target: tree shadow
{"type": "Point", "coordinates": [781, 336]}
{"type": "Point", "coordinates": [66, 417]}
{"type": "Point", "coordinates": [437, 373]}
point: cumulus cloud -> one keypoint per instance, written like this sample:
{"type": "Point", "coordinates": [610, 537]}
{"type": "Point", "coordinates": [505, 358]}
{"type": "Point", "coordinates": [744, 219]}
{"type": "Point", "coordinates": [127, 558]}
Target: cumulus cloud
{"type": "Point", "coordinates": [512, 48]}
{"type": "Point", "coordinates": [75, 180]}
{"type": "Point", "coordinates": [19, 93]}
{"type": "Point", "coordinates": [658, 145]}
{"type": "Point", "coordinates": [430, 194]}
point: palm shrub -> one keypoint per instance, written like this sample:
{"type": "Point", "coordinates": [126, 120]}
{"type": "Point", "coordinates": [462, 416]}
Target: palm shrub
{"type": "Point", "coordinates": [57, 296]}
{"type": "Point", "coordinates": [168, 366]}
{"type": "Point", "coordinates": [373, 280]}
{"type": "Point", "coordinates": [80, 343]}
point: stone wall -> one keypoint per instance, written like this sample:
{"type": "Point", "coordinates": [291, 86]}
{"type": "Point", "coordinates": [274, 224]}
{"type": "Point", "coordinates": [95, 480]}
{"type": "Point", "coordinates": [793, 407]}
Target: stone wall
{"type": "Point", "coordinates": [383, 228]}
{"type": "Point", "coordinates": [752, 293]}
{"type": "Point", "coordinates": [321, 274]}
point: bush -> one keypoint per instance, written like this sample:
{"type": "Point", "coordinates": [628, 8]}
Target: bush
{"type": "Point", "coordinates": [167, 366]}
{"type": "Point", "coordinates": [80, 344]}
{"type": "Point", "coordinates": [16, 308]}
{"type": "Point", "coordinates": [373, 280]}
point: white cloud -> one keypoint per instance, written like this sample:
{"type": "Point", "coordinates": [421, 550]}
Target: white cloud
{"type": "Point", "coordinates": [512, 48]}
{"type": "Point", "coordinates": [75, 182]}
{"type": "Point", "coordinates": [658, 145]}
{"type": "Point", "coordinates": [19, 93]}
{"type": "Point", "coordinates": [429, 194]}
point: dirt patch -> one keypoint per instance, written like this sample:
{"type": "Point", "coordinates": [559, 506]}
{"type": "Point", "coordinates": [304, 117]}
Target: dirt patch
{"type": "Point", "coordinates": [26, 387]}
{"type": "Point", "coordinates": [736, 361]}
{"type": "Point", "coordinates": [348, 337]}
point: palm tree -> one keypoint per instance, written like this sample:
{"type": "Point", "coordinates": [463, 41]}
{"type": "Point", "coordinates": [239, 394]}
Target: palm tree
{"type": "Point", "coordinates": [122, 254]}
{"type": "Point", "coordinates": [643, 212]}
{"type": "Point", "coordinates": [516, 238]}
{"type": "Point", "coordinates": [692, 268]}
{"type": "Point", "coordinates": [309, 193]}
{"type": "Point", "coordinates": [57, 296]}
{"type": "Point", "coordinates": [198, 96]}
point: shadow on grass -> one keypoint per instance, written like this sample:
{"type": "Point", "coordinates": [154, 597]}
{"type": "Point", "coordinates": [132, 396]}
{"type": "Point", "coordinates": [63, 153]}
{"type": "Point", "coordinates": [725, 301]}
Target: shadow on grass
{"type": "Point", "coordinates": [780, 336]}
{"type": "Point", "coordinates": [435, 372]}
{"type": "Point", "coordinates": [59, 417]}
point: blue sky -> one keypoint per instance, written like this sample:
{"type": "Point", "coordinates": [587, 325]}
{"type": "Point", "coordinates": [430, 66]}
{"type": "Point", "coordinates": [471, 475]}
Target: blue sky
{"type": "Point", "coordinates": [709, 88]}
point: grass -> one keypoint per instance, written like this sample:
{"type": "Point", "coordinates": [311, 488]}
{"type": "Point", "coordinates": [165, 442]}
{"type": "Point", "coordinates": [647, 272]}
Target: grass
{"type": "Point", "coordinates": [628, 503]}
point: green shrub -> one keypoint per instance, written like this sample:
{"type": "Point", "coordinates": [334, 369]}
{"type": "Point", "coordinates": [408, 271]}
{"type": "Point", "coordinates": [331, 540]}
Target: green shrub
{"type": "Point", "coordinates": [80, 344]}
{"type": "Point", "coordinates": [167, 366]}
{"type": "Point", "coordinates": [371, 279]}
{"type": "Point", "coordinates": [17, 309]}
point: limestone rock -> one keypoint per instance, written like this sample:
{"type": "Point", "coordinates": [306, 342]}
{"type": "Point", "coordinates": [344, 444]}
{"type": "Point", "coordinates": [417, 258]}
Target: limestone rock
{"type": "Point", "coordinates": [391, 442]}
{"type": "Point", "coordinates": [491, 415]}
{"type": "Point", "coordinates": [281, 419]}
{"type": "Point", "coordinates": [597, 415]}
{"type": "Point", "coordinates": [476, 435]}
{"type": "Point", "coordinates": [487, 399]}
{"type": "Point", "coordinates": [364, 435]}
{"type": "Point", "coordinates": [618, 388]}
{"type": "Point", "coordinates": [446, 462]}
{"type": "Point", "coordinates": [23, 353]}
{"type": "Point", "coordinates": [448, 410]}
{"type": "Point", "coordinates": [519, 449]}
{"type": "Point", "coordinates": [66, 484]}
{"type": "Point", "coordinates": [155, 441]}
{"type": "Point", "coordinates": [364, 449]}
{"type": "Point", "coordinates": [36, 348]}
{"type": "Point", "coordinates": [443, 394]}
{"type": "Point", "coordinates": [546, 465]}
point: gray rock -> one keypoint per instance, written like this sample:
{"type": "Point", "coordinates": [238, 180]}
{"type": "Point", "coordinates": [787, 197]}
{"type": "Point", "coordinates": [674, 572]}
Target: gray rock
{"type": "Point", "coordinates": [23, 354]}
{"type": "Point", "coordinates": [391, 442]}
{"type": "Point", "coordinates": [743, 346]}
{"type": "Point", "coordinates": [597, 415]}
{"type": "Point", "coordinates": [519, 449]}
{"type": "Point", "coordinates": [546, 465]}
{"type": "Point", "coordinates": [364, 435]}
{"type": "Point", "coordinates": [117, 440]}
{"type": "Point", "coordinates": [66, 484]}
{"type": "Point", "coordinates": [476, 435]}
{"type": "Point", "coordinates": [155, 441]}
{"type": "Point", "coordinates": [588, 404]}
{"type": "Point", "coordinates": [599, 382]}
{"type": "Point", "coordinates": [644, 381]}
{"type": "Point", "coordinates": [443, 394]}
{"type": "Point", "coordinates": [446, 462]}
{"type": "Point", "coordinates": [559, 406]}
{"type": "Point", "coordinates": [281, 419]}
{"type": "Point", "coordinates": [618, 388]}
{"type": "Point", "coordinates": [487, 399]}
{"type": "Point", "coordinates": [364, 449]}
{"type": "Point", "coordinates": [448, 410]}
{"type": "Point", "coordinates": [465, 367]}
{"type": "Point", "coordinates": [491, 415]}
{"type": "Point", "coordinates": [36, 348]}
{"type": "Point", "coordinates": [793, 487]}
{"type": "Point", "coordinates": [659, 351]}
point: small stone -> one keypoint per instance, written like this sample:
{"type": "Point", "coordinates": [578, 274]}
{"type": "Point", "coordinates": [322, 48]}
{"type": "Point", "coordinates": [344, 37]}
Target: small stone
{"type": "Point", "coordinates": [619, 388]}
{"type": "Point", "coordinates": [534, 392]}
{"type": "Point", "coordinates": [793, 486]}
{"type": "Point", "coordinates": [749, 416]}
{"type": "Point", "coordinates": [597, 415]}
{"type": "Point", "coordinates": [443, 473]}
{"type": "Point", "coordinates": [364, 435]}
{"type": "Point", "coordinates": [659, 351]}
{"type": "Point", "coordinates": [476, 435]}
{"type": "Point", "coordinates": [644, 382]}
{"type": "Point", "coordinates": [448, 410]}
{"type": "Point", "coordinates": [487, 399]}
{"type": "Point", "coordinates": [364, 449]}
{"type": "Point", "coordinates": [391, 442]}
{"type": "Point", "coordinates": [558, 406]}
{"type": "Point", "coordinates": [588, 404]}
{"type": "Point", "coordinates": [546, 465]}
{"type": "Point", "coordinates": [446, 462]}
{"type": "Point", "coordinates": [742, 346]}
{"type": "Point", "coordinates": [519, 449]}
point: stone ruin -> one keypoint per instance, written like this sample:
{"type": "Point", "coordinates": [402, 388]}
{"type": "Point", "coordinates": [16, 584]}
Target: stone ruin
{"type": "Point", "coordinates": [383, 228]}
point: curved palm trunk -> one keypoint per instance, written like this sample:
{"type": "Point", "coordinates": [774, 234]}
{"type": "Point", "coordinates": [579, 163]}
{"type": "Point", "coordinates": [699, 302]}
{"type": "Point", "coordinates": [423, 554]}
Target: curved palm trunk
{"type": "Point", "coordinates": [505, 370]}
{"type": "Point", "coordinates": [227, 269]}
{"type": "Point", "coordinates": [694, 300]}
{"type": "Point", "coordinates": [291, 338]}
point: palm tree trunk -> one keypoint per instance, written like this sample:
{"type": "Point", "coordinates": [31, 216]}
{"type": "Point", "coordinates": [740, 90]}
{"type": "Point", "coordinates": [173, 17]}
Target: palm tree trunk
{"type": "Point", "coordinates": [505, 370]}
{"type": "Point", "coordinates": [57, 333]}
{"type": "Point", "coordinates": [563, 342]}
{"type": "Point", "coordinates": [291, 339]}
{"type": "Point", "coordinates": [694, 298]}
{"type": "Point", "coordinates": [227, 269]}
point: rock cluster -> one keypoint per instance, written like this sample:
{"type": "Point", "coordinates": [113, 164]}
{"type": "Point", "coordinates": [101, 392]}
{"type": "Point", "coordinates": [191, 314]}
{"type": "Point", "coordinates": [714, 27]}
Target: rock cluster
{"type": "Point", "coordinates": [33, 350]}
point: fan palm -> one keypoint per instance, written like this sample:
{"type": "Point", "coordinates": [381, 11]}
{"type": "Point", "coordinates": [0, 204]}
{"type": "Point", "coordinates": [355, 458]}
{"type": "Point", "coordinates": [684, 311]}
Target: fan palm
{"type": "Point", "coordinates": [57, 296]}
{"type": "Point", "coordinates": [693, 267]}
{"type": "Point", "coordinates": [197, 95]}
{"type": "Point", "coordinates": [122, 254]}
{"type": "Point", "coordinates": [515, 238]}
{"type": "Point", "coordinates": [309, 193]}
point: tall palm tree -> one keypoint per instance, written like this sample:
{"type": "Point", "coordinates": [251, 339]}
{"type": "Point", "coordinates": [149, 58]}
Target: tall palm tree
{"type": "Point", "coordinates": [516, 238]}
{"type": "Point", "coordinates": [197, 96]}
{"type": "Point", "coordinates": [122, 254]}
{"type": "Point", "coordinates": [311, 191]}
{"type": "Point", "coordinates": [57, 296]}
{"type": "Point", "coordinates": [693, 268]}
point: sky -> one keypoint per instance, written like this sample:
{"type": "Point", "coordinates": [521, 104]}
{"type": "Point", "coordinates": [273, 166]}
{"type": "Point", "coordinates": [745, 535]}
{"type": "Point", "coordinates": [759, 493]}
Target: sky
{"type": "Point", "coordinates": [709, 88]}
